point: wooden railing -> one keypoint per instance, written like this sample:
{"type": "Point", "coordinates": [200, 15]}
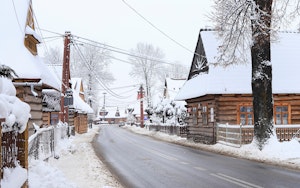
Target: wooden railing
{"type": "Point", "coordinates": [41, 144]}
{"type": "Point", "coordinates": [169, 129]}
{"type": "Point", "coordinates": [238, 135]}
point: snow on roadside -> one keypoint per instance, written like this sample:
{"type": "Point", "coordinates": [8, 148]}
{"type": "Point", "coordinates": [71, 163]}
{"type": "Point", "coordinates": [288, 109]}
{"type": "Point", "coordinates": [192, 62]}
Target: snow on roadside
{"type": "Point", "coordinates": [285, 154]}
{"type": "Point", "coordinates": [77, 166]}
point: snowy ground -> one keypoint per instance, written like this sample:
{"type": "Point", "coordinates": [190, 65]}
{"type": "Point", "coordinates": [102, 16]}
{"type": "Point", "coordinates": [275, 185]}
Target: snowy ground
{"type": "Point", "coordinates": [78, 165]}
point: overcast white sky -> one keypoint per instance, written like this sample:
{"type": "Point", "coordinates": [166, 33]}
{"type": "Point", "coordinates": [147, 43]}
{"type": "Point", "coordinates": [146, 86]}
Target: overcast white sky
{"type": "Point", "coordinates": [113, 23]}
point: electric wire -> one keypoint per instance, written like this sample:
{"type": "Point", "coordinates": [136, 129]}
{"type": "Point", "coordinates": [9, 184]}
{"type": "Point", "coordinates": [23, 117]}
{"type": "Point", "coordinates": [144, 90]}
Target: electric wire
{"type": "Point", "coordinates": [18, 21]}
{"type": "Point", "coordinates": [150, 23]}
{"type": "Point", "coordinates": [95, 75]}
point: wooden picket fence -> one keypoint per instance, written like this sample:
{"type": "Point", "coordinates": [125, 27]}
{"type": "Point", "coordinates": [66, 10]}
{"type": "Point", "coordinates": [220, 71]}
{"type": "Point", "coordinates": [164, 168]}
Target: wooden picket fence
{"type": "Point", "coordinates": [238, 135]}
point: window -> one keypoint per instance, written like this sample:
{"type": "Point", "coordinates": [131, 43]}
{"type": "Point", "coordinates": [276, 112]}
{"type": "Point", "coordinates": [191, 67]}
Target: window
{"type": "Point", "coordinates": [245, 115]}
{"type": "Point", "coordinates": [282, 115]}
{"type": "Point", "coordinates": [204, 115]}
{"type": "Point", "coordinates": [194, 115]}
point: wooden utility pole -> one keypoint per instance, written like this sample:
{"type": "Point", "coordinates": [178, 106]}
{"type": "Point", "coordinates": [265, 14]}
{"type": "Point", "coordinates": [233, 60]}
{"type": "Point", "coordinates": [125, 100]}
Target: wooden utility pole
{"type": "Point", "coordinates": [141, 96]}
{"type": "Point", "coordinates": [65, 77]}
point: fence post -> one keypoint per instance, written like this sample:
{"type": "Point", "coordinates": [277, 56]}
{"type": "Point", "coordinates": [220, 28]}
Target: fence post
{"type": "Point", "coordinates": [226, 133]}
{"type": "Point", "coordinates": [240, 135]}
{"type": "Point", "coordinates": [1, 120]}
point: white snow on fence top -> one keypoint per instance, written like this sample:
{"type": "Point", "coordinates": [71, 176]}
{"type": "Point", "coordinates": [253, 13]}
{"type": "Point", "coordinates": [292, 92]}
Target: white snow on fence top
{"type": "Point", "coordinates": [13, 53]}
{"type": "Point", "coordinates": [236, 79]}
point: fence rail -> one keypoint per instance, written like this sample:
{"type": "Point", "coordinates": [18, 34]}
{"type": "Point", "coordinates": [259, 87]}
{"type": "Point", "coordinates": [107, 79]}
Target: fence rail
{"type": "Point", "coordinates": [237, 135]}
{"type": "Point", "coordinates": [171, 130]}
{"type": "Point", "coordinates": [41, 144]}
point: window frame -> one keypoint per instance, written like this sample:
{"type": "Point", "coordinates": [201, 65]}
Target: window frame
{"type": "Point", "coordinates": [204, 113]}
{"type": "Point", "coordinates": [288, 112]}
{"type": "Point", "coordinates": [239, 113]}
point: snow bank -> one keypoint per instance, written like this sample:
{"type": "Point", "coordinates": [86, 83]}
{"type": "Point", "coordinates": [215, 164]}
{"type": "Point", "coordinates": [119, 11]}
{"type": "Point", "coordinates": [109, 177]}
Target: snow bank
{"type": "Point", "coordinates": [13, 177]}
{"type": "Point", "coordinates": [77, 166]}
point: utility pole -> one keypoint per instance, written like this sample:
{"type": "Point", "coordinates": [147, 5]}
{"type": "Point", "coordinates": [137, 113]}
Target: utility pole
{"type": "Point", "coordinates": [104, 105]}
{"type": "Point", "coordinates": [140, 94]}
{"type": "Point", "coordinates": [65, 77]}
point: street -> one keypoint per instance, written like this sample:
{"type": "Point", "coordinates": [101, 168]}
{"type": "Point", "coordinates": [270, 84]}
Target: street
{"type": "Point", "coordinates": [141, 161]}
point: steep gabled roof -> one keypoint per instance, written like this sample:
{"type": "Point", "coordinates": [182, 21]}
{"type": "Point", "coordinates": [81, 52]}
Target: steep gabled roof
{"type": "Point", "coordinates": [13, 53]}
{"type": "Point", "coordinates": [172, 87]}
{"type": "Point", "coordinates": [236, 78]}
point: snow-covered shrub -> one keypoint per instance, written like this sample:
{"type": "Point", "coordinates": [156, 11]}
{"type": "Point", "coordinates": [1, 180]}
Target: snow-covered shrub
{"type": "Point", "coordinates": [15, 112]}
{"type": "Point", "coordinates": [168, 112]}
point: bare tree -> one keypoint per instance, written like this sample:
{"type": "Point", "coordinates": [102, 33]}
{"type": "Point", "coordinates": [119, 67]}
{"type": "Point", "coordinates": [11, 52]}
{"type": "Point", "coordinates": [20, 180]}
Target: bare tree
{"type": "Point", "coordinates": [246, 26]}
{"type": "Point", "coordinates": [54, 56]}
{"type": "Point", "coordinates": [177, 70]}
{"type": "Point", "coordinates": [147, 66]}
{"type": "Point", "coordinates": [91, 63]}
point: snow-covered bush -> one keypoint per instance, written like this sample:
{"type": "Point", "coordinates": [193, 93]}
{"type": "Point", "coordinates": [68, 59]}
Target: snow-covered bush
{"type": "Point", "coordinates": [15, 112]}
{"type": "Point", "coordinates": [167, 112]}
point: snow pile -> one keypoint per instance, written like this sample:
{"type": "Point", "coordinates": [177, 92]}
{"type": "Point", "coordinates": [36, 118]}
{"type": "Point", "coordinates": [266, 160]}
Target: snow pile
{"type": "Point", "coordinates": [14, 177]}
{"type": "Point", "coordinates": [15, 112]}
{"type": "Point", "coordinates": [76, 163]}
{"type": "Point", "coordinates": [285, 154]}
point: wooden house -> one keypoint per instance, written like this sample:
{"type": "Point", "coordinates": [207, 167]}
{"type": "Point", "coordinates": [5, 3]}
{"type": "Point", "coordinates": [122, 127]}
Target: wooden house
{"type": "Point", "coordinates": [223, 95]}
{"type": "Point", "coordinates": [20, 53]}
{"type": "Point", "coordinates": [18, 50]}
{"type": "Point", "coordinates": [113, 115]}
{"type": "Point", "coordinates": [79, 112]}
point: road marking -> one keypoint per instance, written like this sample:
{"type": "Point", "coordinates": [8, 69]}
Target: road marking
{"type": "Point", "coordinates": [235, 180]}
{"type": "Point", "coordinates": [199, 168]}
{"type": "Point", "coordinates": [161, 155]}
{"type": "Point", "coordinates": [185, 163]}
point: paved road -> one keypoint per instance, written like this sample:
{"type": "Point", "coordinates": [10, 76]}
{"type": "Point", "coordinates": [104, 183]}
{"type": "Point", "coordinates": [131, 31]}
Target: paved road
{"type": "Point", "coordinates": [141, 161]}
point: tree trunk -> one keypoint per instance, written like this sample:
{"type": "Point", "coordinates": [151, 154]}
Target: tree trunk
{"type": "Point", "coordinates": [262, 75]}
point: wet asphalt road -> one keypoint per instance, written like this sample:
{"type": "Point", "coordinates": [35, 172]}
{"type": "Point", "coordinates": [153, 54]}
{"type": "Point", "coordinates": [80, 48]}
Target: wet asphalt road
{"type": "Point", "coordinates": [141, 161]}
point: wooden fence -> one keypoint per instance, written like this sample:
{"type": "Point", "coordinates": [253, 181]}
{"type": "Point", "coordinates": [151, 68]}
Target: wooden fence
{"type": "Point", "coordinates": [171, 130]}
{"type": "Point", "coordinates": [13, 149]}
{"type": "Point", "coordinates": [237, 135]}
{"type": "Point", "coordinates": [41, 144]}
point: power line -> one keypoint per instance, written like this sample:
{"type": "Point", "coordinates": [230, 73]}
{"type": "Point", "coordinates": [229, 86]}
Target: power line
{"type": "Point", "coordinates": [110, 48]}
{"type": "Point", "coordinates": [96, 77]}
{"type": "Point", "coordinates": [16, 14]}
{"type": "Point", "coordinates": [124, 52]}
{"type": "Point", "coordinates": [145, 19]}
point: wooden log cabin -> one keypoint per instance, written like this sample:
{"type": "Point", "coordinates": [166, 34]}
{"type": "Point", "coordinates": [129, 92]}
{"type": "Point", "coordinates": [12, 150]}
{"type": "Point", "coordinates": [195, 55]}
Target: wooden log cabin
{"type": "Point", "coordinates": [223, 95]}
{"type": "Point", "coordinates": [18, 50]}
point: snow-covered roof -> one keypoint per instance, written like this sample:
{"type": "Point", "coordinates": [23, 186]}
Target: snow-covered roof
{"type": "Point", "coordinates": [79, 103]}
{"type": "Point", "coordinates": [137, 107]}
{"type": "Point", "coordinates": [173, 86]}
{"type": "Point", "coordinates": [13, 52]}
{"type": "Point", "coordinates": [76, 84]}
{"type": "Point", "coordinates": [236, 79]}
